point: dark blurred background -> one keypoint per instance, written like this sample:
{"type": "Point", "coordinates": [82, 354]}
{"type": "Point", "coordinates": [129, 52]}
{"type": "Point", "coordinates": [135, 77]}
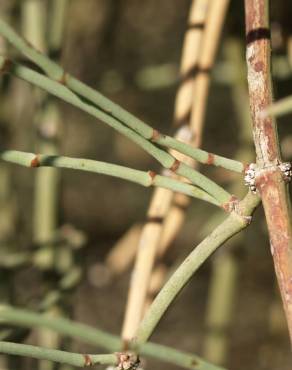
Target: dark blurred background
{"type": "Point", "coordinates": [130, 51]}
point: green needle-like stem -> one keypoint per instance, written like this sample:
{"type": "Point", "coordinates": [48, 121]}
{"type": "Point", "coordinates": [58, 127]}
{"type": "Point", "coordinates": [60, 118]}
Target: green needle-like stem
{"type": "Point", "coordinates": [143, 178]}
{"type": "Point", "coordinates": [279, 108]}
{"type": "Point", "coordinates": [97, 337]}
{"type": "Point", "coordinates": [167, 160]}
{"type": "Point", "coordinates": [68, 358]}
{"type": "Point", "coordinates": [56, 72]}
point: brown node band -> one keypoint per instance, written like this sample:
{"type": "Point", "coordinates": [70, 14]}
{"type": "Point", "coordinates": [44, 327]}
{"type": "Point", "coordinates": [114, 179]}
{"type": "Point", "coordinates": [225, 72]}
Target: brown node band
{"type": "Point", "coordinates": [35, 162]}
{"type": "Point", "coordinates": [63, 79]}
{"type": "Point", "coordinates": [152, 174]}
{"type": "Point", "coordinates": [196, 26]}
{"type": "Point", "coordinates": [154, 220]}
{"type": "Point", "coordinates": [194, 71]}
{"type": "Point", "coordinates": [256, 34]}
{"type": "Point", "coordinates": [175, 165]}
{"type": "Point", "coordinates": [231, 204]}
{"type": "Point", "coordinates": [87, 360]}
{"type": "Point", "coordinates": [211, 158]}
{"type": "Point", "coordinates": [155, 135]}
{"type": "Point", "coordinates": [7, 65]}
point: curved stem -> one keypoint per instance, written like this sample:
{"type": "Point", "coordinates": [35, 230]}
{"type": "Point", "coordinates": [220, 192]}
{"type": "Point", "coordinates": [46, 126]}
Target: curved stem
{"type": "Point", "coordinates": [97, 337]}
{"type": "Point", "coordinates": [232, 225]}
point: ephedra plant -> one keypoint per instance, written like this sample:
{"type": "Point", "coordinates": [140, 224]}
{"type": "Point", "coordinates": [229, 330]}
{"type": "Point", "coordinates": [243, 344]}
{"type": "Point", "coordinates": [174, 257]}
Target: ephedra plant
{"type": "Point", "coordinates": [178, 183]}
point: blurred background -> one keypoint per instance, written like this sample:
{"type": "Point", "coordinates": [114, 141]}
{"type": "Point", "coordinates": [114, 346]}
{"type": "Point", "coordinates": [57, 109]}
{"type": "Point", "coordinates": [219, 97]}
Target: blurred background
{"type": "Point", "coordinates": [60, 230]}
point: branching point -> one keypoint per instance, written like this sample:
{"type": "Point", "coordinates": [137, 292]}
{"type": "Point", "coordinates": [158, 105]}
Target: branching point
{"type": "Point", "coordinates": [152, 175]}
{"type": "Point", "coordinates": [155, 135]}
{"type": "Point", "coordinates": [127, 361]}
{"type": "Point", "coordinates": [5, 65]}
{"type": "Point", "coordinates": [210, 159]}
{"type": "Point", "coordinates": [87, 361]}
{"type": "Point", "coordinates": [35, 162]}
{"type": "Point", "coordinates": [175, 165]}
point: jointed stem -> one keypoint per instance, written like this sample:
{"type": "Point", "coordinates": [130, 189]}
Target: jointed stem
{"type": "Point", "coordinates": [140, 177]}
{"type": "Point", "coordinates": [97, 337]}
{"type": "Point", "coordinates": [68, 358]}
{"type": "Point", "coordinates": [55, 72]}
{"type": "Point", "coordinates": [167, 160]}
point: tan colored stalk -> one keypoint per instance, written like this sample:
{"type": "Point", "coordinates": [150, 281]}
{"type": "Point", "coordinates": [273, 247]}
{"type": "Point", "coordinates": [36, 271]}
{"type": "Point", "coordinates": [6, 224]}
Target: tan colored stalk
{"type": "Point", "coordinates": [123, 252]}
{"type": "Point", "coordinates": [161, 199]}
{"type": "Point", "coordinates": [269, 178]}
{"type": "Point", "coordinates": [214, 23]}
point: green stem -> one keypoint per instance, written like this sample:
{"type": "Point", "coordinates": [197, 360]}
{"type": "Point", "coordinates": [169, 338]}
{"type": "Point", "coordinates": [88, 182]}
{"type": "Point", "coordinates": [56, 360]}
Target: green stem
{"type": "Point", "coordinates": [68, 358]}
{"type": "Point", "coordinates": [235, 222]}
{"type": "Point", "coordinates": [163, 157]}
{"type": "Point", "coordinates": [97, 337]}
{"type": "Point", "coordinates": [54, 71]}
{"type": "Point", "coordinates": [57, 21]}
{"type": "Point", "coordinates": [143, 178]}
{"type": "Point", "coordinates": [200, 155]}
{"type": "Point", "coordinates": [279, 108]}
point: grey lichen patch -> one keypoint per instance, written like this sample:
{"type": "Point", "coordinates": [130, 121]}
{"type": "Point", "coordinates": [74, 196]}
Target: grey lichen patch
{"type": "Point", "coordinates": [253, 172]}
{"type": "Point", "coordinates": [286, 169]}
{"type": "Point", "coordinates": [250, 177]}
{"type": "Point", "coordinates": [127, 361]}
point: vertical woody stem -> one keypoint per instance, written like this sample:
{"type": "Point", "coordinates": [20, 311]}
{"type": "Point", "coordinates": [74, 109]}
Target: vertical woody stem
{"type": "Point", "coordinates": [270, 183]}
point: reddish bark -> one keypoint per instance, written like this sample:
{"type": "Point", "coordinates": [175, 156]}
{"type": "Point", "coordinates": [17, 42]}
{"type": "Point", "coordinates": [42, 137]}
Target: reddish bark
{"type": "Point", "coordinates": [269, 180]}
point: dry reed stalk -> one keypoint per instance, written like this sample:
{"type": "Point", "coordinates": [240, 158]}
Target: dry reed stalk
{"type": "Point", "coordinates": [214, 22]}
{"type": "Point", "coordinates": [270, 181]}
{"type": "Point", "coordinates": [123, 252]}
{"type": "Point", "coordinates": [162, 199]}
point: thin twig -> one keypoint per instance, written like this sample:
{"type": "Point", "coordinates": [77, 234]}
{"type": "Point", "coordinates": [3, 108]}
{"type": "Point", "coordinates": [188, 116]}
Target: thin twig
{"type": "Point", "coordinates": [55, 72]}
{"type": "Point", "coordinates": [279, 108]}
{"type": "Point", "coordinates": [270, 181]}
{"type": "Point", "coordinates": [143, 178]}
{"type": "Point", "coordinates": [68, 358]}
{"type": "Point", "coordinates": [167, 160]}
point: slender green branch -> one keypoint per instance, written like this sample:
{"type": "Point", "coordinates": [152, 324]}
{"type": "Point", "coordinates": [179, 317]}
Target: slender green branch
{"type": "Point", "coordinates": [143, 178]}
{"type": "Point", "coordinates": [56, 72]}
{"type": "Point", "coordinates": [68, 358]}
{"type": "Point", "coordinates": [200, 155]}
{"type": "Point", "coordinates": [97, 337]}
{"type": "Point", "coordinates": [279, 108]}
{"type": "Point", "coordinates": [235, 222]}
{"type": "Point", "coordinates": [163, 157]}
